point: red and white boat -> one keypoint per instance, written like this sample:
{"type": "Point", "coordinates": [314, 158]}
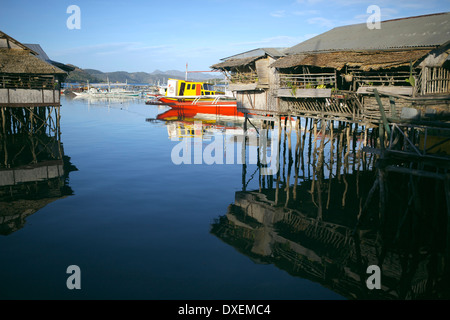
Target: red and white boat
{"type": "Point", "coordinates": [198, 96]}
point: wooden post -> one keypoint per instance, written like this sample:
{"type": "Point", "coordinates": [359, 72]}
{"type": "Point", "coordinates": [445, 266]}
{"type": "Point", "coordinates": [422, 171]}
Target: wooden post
{"type": "Point", "coordinates": [348, 148]}
{"type": "Point", "coordinates": [297, 155]}
{"type": "Point", "coordinates": [244, 156]}
{"type": "Point", "coordinates": [383, 114]}
{"type": "Point", "coordinates": [304, 134]}
{"type": "Point", "coordinates": [315, 141]}
{"type": "Point", "coordinates": [314, 164]}
{"type": "Point", "coordinates": [309, 148]}
{"type": "Point", "coordinates": [3, 136]}
{"type": "Point", "coordinates": [278, 173]}
{"type": "Point", "coordinates": [331, 161]}
{"type": "Point", "coordinates": [3, 121]}
{"type": "Point", "coordinates": [299, 136]}
{"type": "Point", "coordinates": [290, 162]}
{"type": "Point", "coordinates": [381, 135]}
{"type": "Point", "coordinates": [284, 150]}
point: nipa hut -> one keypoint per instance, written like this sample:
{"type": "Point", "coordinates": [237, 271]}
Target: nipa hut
{"type": "Point", "coordinates": [26, 80]}
{"type": "Point", "coordinates": [347, 70]}
{"type": "Point", "coordinates": [250, 77]}
{"type": "Point", "coordinates": [406, 58]}
{"type": "Point", "coordinates": [387, 57]}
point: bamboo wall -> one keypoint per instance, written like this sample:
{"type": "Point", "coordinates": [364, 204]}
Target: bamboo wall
{"type": "Point", "coordinates": [435, 80]}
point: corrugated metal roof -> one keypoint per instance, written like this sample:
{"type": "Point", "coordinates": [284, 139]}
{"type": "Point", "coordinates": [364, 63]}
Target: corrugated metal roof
{"type": "Point", "coordinates": [421, 31]}
{"type": "Point", "coordinates": [40, 53]}
{"type": "Point", "coordinates": [273, 52]}
{"type": "Point", "coordinates": [37, 48]}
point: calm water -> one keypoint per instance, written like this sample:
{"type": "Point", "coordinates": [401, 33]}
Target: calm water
{"type": "Point", "coordinates": [141, 227]}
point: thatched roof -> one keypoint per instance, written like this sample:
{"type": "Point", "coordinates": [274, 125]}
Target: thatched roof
{"type": "Point", "coordinates": [40, 53]}
{"type": "Point", "coordinates": [365, 60]}
{"type": "Point", "coordinates": [233, 63]}
{"type": "Point", "coordinates": [22, 61]}
{"type": "Point", "coordinates": [11, 43]}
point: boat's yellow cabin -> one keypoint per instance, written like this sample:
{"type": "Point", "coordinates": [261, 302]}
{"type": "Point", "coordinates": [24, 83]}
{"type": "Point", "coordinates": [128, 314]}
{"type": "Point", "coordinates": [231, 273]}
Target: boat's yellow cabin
{"type": "Point", "coordinates": [177, 87]}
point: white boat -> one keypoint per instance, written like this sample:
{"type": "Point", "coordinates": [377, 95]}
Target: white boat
{"type": "Point", "coordinates": [97, 91]}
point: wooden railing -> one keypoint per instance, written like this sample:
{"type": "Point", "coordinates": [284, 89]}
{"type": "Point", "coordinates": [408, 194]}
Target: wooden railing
{"type": "Point", "coordinates": [342, 105]}
{"type": "Point", "coordinates": [247, 77]}
{"type": "Point", "coordinates": [373, 78]}
{"type": "Point", "coordinates": [10, 81]}
{"type": "Point", "coordinates": [307, 81]}
{"type": "Point", "coordinates": [435, 80]}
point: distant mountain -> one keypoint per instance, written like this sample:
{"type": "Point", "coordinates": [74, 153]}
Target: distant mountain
{"type": "Point", "coordinates": [80, 75]}
{"type": "Point", "coordinates": [155, 77]}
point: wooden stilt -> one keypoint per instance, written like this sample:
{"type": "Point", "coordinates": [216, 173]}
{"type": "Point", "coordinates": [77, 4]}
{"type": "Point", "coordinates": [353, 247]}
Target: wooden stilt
{"type": "Point", "coordinates": [331, 161]}
{"type": "Point", "coordinates": [277, 190]}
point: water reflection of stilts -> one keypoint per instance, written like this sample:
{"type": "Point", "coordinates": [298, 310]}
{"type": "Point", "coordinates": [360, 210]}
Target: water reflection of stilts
{"type": "Point", "coordinates": [330, 224]}
{"type": "Point", "coordinates": [33, 167]}
{"type": "Point", "coordinates": [342, 141]}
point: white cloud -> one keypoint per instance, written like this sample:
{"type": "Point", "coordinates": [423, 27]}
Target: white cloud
{"type": "Point", "coordinates": [278, 14]}
{"type": "Point", "coordinates": [311, 2]}
{"type": "Point", "coordinates": [321, 21]}
{"type": "Point", "coordinates": [306, 12]}
{"type": "Point", "coordinates": [388, 13]}
{"type": "Point", "coordinates": [111, 48]}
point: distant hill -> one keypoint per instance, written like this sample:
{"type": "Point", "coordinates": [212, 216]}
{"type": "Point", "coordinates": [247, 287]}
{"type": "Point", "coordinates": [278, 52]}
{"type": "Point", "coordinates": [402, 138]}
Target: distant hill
{"type": "Point", "coordinates": [81, 75]}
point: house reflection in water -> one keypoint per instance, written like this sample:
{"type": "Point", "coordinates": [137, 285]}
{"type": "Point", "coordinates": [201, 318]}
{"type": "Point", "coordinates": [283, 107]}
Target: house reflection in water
{"type": "Point", "coordinates": [326, 227]}
{"type": "Point", "coordinates": [33, 168]}
{"type": "Point", "coordinates": [324, 216]}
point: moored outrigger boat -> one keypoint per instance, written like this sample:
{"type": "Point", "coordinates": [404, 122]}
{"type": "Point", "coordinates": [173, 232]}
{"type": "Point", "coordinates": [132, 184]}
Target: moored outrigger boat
{"type": "Point", "coordinates": [183, 91]}
{"type": "Point", "coordinates": [196, 95]}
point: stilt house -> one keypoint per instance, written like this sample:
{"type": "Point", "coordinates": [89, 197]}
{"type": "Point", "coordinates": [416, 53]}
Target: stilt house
{"type": "Point", "coordinates": [250, 77]}
{"type": "Point", "coordinates": [336, 72]}
{"type": "Point", "coordinates": [25, 79]}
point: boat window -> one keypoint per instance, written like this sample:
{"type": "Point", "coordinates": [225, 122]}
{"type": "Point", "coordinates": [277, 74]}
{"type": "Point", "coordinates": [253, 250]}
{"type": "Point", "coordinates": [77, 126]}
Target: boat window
{"type": "Point", "coordinates": [207, 93]}
{"type": "Point", "coordinates": [188, 86]}
{"type": "Point", "coordinates": [203, 93]}
{"type": "Point", "coordinates": [193, 86]}
{"type": "Point", "coordinates": [182, 86]}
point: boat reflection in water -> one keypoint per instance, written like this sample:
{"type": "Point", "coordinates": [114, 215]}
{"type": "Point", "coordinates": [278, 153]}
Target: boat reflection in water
{"type": "Point", "coordinates": [33, 168]}
{"type": "Point", "coordinates": [181, 123]}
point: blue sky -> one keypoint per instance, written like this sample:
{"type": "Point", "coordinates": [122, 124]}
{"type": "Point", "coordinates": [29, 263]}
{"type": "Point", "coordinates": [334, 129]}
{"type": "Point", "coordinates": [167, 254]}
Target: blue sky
{"type": "Point", "coordinates": [137, 35]}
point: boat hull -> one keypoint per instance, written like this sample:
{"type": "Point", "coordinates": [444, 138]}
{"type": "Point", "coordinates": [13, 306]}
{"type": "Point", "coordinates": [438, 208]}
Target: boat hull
{"type": "Point", "coordinates": [220, 108]}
